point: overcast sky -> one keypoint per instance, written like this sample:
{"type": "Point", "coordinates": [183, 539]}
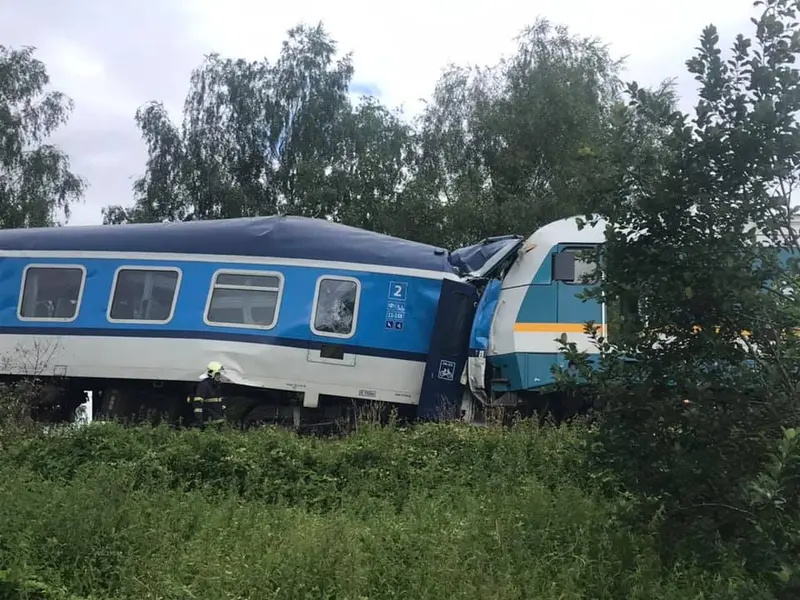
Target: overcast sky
{"type": "Point", "coordinates": [111, 56]}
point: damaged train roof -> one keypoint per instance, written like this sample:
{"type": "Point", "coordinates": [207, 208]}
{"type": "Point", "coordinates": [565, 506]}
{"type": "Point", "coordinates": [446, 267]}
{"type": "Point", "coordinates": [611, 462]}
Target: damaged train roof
{"type": "Point", "coordinates": [281, 236]}
{"type": "Point", "coordinates": [289, 237]}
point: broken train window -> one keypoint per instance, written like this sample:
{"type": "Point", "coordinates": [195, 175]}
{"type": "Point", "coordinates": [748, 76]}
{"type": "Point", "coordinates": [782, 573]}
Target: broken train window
{"type": "Point", "coordinates": [336, 306]}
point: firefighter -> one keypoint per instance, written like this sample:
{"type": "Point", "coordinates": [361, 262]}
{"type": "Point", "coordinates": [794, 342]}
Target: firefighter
{"type": "Point", "coordinates": [207, 402]}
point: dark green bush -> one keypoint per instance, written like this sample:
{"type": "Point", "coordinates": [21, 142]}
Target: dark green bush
{"type": "Point", "coordinates": [435, 511]}
{"type": "Point", "coordinates": [699, 380]}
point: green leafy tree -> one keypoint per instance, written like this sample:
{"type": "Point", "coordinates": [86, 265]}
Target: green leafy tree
{"type": "Point", "coordinates": [261, 139]}
{"type": "Point", "coordinates": [503, 146]}
{"type": "Point", "coordinates": [700, 379]}
{"type": "Point", "coordinates": [35, 177]}
{"type": "Point", "coordinates": [370, 169]}
{"type": "Point", "coordinates": [497, 150]}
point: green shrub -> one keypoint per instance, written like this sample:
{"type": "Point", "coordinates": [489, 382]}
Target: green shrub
{"type": "Point", "coordinates": [699, 376]}
{"type": "Point", "coordinates": [434, 511]}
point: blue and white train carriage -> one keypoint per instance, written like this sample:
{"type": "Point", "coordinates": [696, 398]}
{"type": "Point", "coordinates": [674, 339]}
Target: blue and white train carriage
{"type": "Point", "coordinates": [304, 314]}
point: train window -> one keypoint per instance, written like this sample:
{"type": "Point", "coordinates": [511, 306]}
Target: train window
{"type": "Point", "coordinates": [51, 292]}
{"type": "Point", "coordinates": [336, 306]}
{"type": "Point", "coordinates": [244, 299]}
{"type": "Point", "coordinates": [144, 294]}
{"type": "Point", "coordinates": [583, 268]}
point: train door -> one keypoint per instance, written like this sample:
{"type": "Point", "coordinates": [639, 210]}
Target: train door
{"type": "Point", "coordinates": [441, 387]}
{"type": "Point", "coordinates": [568, 273]}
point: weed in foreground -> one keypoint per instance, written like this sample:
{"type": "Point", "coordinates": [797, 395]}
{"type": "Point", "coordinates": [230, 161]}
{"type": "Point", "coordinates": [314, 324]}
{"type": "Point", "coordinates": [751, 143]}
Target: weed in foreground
{"type": "Point", "coordinates": [434, 511]}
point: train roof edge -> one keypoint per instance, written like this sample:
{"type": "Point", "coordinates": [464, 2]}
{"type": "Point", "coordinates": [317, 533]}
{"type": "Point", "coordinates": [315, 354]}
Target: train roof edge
{"type": "Point", "coordinates": [281, 236]}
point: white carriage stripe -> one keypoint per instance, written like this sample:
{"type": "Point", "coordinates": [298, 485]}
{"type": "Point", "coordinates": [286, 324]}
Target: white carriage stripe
{"type": "Point", "coordinates": [223, 258]}
{"type": "Point", "coordinates": [543, 343]}
{"type": "Point", "coordinates": [171, 359]}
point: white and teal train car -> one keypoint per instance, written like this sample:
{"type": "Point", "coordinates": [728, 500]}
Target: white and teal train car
{"type": "Point", "coordinates": [525, 307]}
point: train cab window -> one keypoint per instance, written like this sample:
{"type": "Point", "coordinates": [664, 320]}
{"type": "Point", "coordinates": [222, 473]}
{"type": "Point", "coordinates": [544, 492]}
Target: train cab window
{"type": "Point", "coordinates": [51, 293]}
{"type": "Point", "coordinates": [244, 299]}
{"type": "Point", "coordinates": [582, 268]}
{"type": "Point", "coordinates": [147, 294]}
{"type": "Point", "coordinates": [336, 306]}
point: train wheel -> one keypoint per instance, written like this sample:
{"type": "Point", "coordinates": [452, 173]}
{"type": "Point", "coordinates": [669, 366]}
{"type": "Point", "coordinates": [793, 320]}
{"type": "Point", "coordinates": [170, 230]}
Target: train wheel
{"type": "Point", "coordinates": [114, 405]}
{"type": "Point", "coordinates": [254, 413]}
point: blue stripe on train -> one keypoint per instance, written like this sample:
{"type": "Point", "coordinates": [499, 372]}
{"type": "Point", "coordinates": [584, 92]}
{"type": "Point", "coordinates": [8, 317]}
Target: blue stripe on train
{"type": "Point", "coordinates": [420, 301]}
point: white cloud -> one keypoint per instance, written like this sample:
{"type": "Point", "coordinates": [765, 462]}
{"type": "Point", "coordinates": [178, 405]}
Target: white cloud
{"type": "Point", "coordinates": [112, 57]}
{"type": "Point", "coordinates": [403, 50]}
{"type": "Point", "coordinates": [74, 60]}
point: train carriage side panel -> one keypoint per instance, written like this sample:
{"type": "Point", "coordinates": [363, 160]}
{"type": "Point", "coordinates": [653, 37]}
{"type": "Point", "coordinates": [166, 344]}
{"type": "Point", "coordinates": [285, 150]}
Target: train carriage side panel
{"type": "Point", "coordinates": [382, 357]}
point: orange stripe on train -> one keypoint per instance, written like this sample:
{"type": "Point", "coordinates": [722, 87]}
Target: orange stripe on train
{"type": "Point", "coordinates": [551, 327]}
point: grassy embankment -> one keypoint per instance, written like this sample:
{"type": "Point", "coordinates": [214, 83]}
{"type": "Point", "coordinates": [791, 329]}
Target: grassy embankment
{"type": "Point", "coordinates": [438, 511]}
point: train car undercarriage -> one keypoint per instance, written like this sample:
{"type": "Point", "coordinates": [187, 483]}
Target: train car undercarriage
{"type": "Point", "coordinates": [58, 400]}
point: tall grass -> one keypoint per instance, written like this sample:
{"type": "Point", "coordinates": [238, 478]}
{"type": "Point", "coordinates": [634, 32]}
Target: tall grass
{"type": "Point", "coordinates": [436, 511]}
